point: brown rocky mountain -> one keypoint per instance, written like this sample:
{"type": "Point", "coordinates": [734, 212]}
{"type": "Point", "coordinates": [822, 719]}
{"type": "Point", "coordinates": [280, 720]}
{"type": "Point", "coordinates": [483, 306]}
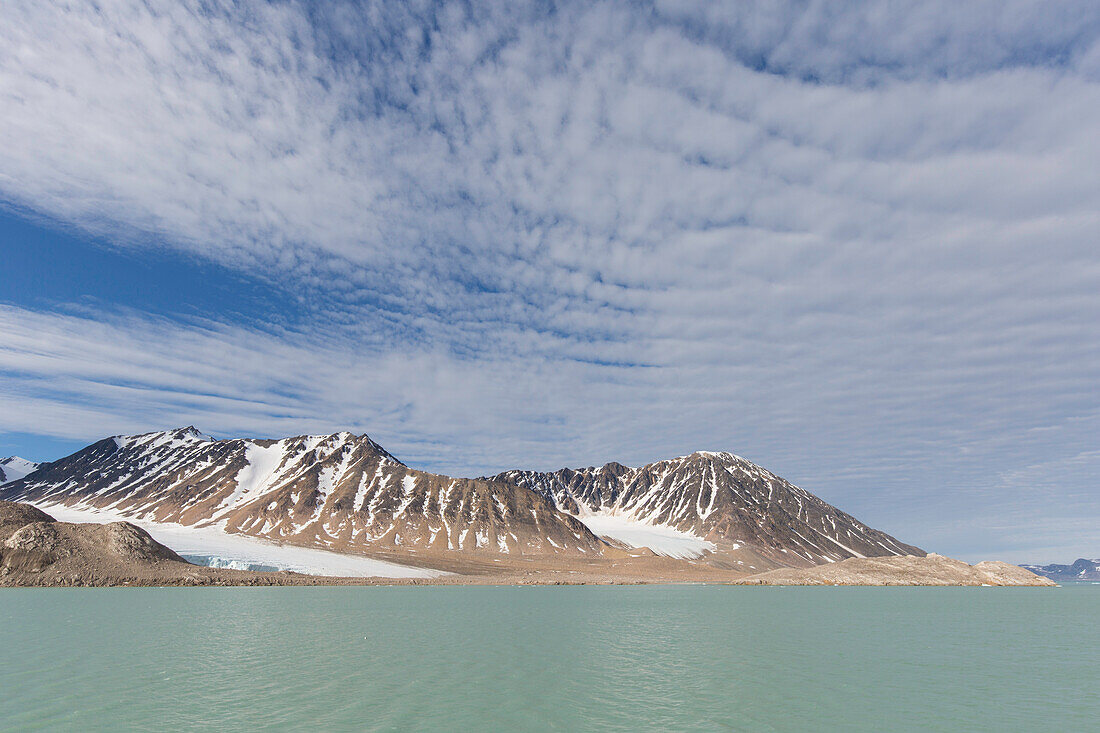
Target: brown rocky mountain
{"type": "Point", "coordinates": [337, 491]}
{"type": "Point", "coordinates": [345, 492]}
{"type": "Point", "coordinates": [721, 498]}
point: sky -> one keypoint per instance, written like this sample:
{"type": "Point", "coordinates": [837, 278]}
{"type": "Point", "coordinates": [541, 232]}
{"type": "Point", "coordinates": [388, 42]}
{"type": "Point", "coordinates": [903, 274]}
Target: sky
{"type": "Point", "coordinates": [856, 243]}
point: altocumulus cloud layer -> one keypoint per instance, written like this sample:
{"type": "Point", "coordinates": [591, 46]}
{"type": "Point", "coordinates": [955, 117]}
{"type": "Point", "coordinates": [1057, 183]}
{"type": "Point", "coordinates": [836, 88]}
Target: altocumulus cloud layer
{"type": "Point", "coordinates": [855, 243]}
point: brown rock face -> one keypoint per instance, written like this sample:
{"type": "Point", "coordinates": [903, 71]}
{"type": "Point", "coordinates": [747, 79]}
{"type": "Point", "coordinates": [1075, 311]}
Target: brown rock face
{"type": "Point", "coordinates": [128, 541]}
{"type": "Point", "coordinates": [13, 516]}
{"type": "Point", "coordinates": [37, 536]}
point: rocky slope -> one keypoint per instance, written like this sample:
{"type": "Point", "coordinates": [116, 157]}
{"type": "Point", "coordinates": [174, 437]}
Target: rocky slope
{"type": "Point", "coordinates": [1081, 569]}
{"type": "Point", "coordinates": [14, 468]}
{"type": "Point", "coordinates": [906, 570]}
{"type": "Point", "coordinates": [721, 498]}
{"type": "Point", "coordinates": [345, 492]}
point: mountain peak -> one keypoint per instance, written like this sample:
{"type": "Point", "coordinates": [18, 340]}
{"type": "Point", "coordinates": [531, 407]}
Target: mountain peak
{"type": "Point", "coordinates": [336, 440]}
{"type": "Point", "coordinates": [161, 438]}
{"type": "Point", "coordinates": [724, 458]}
{"type": "Point", "coordinates": [718, 455]}
{"type": "Point", "coordinates": [13, 468]}
{"type": "Point", "coordinates": [192, 432]}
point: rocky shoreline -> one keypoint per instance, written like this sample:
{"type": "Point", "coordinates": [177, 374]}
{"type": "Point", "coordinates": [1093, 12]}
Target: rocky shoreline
{"type": "Point", "coordinates": [38, 551]}
{"type": "Point", "coordinates": [932, 569]}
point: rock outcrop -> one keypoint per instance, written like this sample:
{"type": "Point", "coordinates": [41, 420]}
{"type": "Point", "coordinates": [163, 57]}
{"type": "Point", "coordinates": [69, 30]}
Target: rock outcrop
{"type": "Point", "coordinates": [31, 541]}
{"type": "Point", "coordinates": [931, 569]}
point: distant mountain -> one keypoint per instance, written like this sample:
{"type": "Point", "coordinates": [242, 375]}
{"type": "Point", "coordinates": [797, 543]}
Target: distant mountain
{"type": "Point", "coordinates": [1081, 569]}
{"type": "Point", "coordinates": [14, 467]}
{"type": "Point", "coordinates": [345, 492]}
{"type": "Point", "coordinates": [720, 498]}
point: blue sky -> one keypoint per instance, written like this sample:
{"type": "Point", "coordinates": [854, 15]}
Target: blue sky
{"type": "Point", "coordinates": [855, 243]}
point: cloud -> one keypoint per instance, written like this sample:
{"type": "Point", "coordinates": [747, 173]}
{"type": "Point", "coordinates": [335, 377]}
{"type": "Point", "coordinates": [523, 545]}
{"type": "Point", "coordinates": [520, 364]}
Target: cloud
{"type": "Point", "coordinates": [853, 434]}
{"type": "Point", "coordinates": [868, 42]}
{"type": "Point", "coordinates": [855, 242]}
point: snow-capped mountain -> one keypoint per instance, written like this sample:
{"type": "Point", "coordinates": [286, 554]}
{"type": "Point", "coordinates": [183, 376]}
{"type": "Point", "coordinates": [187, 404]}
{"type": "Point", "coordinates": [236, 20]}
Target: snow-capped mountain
{"type": "Point", "coordinates": [14, 467]}
{"type": "Point", "coordinates": [719, 498]}
{"type": "Point", "coordinates": [345, 492]}
{"type": "Point", "coordinates": [338, 491]}
{"type": "Point", "coordinates": [1081, 569]}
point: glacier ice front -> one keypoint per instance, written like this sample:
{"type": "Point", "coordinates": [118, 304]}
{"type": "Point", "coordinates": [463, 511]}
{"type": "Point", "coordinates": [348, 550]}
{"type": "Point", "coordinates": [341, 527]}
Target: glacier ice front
{"type": "Point", "coordinates": [213, 561]}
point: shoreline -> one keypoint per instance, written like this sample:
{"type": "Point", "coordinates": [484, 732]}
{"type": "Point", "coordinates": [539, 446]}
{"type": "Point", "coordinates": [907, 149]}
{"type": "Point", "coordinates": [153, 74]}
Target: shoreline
{"type": "Point", "coordinates": [167, 575]}
{"type": "Point", "coordinates": [40, 551]}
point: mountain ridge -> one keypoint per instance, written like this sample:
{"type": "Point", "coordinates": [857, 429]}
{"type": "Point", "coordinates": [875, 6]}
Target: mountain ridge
{"type": "Point", "coordinates": [1080, 569]}
{"type": "Point", "coordinates": [339, 491]}
{"type": "Point", "coordinates": [347, 493]}
{"type": "Point", "coordinates": [720, 497]}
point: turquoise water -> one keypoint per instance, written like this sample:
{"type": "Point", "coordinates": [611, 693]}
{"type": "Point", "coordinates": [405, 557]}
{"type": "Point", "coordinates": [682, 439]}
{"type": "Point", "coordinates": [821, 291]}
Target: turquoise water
{"type": "Point", "coordinates": [551, 658]}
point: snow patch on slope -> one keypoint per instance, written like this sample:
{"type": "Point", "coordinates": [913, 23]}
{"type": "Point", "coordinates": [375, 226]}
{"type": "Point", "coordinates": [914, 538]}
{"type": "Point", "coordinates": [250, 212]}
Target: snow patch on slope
{"type": "Point", "coordinates": [662, 540]}
{"type": "Point", "coordinates": [219, 549]}
{"type": "Point", "coordinates": [257, 473]}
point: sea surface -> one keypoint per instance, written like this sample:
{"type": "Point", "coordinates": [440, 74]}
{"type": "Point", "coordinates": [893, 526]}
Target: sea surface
{"type": "Point", "coordinates": [605, 658]}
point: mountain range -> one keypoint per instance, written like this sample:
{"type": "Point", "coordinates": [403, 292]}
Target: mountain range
{"type": "Point", "coordinates": [344, 492]}
{"type": "Point", "coordinates": [1081, 569]}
